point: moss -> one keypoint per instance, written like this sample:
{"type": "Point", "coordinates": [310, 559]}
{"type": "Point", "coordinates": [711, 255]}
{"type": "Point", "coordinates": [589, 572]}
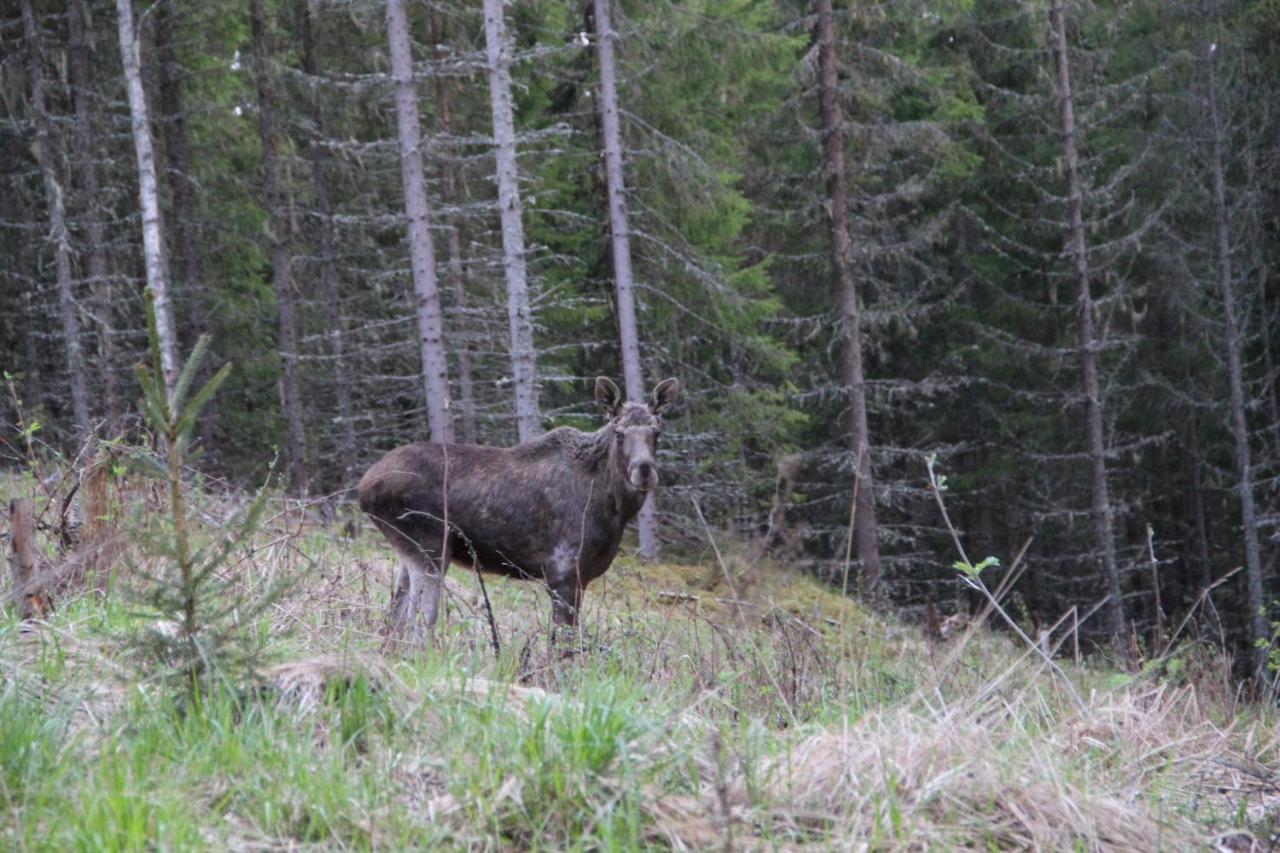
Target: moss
{"type": "Point", "coordinates": [762, 586]}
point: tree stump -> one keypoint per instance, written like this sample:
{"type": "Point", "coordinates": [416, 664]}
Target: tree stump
{"type": "Point", "coordinates": [23, 559]}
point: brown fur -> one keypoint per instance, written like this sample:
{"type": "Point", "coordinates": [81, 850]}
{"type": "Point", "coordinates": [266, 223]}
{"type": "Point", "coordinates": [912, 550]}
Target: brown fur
{"type": "Point", "coordinates": [551, 509]}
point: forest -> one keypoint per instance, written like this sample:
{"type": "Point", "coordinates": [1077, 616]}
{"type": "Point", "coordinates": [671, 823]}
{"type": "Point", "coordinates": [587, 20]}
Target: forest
{"type": "Point", "coordinates": [1030, 243]}
{"type": "Point", "coordinates": [955, 319]}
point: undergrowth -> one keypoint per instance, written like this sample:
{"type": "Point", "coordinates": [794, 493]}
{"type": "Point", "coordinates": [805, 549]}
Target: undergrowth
{"type": "Point", "coordinates": [730, 705]}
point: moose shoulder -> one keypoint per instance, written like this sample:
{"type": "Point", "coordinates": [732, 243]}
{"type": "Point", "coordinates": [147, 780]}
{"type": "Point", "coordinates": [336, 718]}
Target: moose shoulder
{"type": "Point", "coordinates": [552, 509]}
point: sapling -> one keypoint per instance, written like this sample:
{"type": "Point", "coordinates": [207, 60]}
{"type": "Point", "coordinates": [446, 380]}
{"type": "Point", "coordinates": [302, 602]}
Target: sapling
{"type": "Point", "coordinates": [971, 574]}
{"type": "Point", "coordinates": [199, 621]}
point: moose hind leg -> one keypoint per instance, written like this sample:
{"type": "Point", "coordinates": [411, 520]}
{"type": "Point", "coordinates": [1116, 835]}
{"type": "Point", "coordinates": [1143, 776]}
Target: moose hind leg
{"type": "Point", "coordinates": [425, 569]}
{"type": "Point", "coordinates": [416, 598]}
{"type": "Point", "coordinates": [401, 602]}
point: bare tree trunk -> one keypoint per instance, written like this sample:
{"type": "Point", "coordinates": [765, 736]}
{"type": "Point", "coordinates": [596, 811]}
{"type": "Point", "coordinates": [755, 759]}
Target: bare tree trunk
{"type": "Point", "coordinates": [1268, 362]}
{"type": "Point", "coordinates": [279, 226]}
{"type": "Point", "coordinates": [1199, 521]}
{"type": "Point", "coordinates": [422, 258]}
{"type": "Point", "coordinates": [457, 276]}
{"type": "Point", "coordinates": [95, 233]}
{"type": "Point", "coordinates": [149, 197]}
{"type": "Point", "coordinates": [519, 315]}
{"type": "Point", "coordinates": [33, 385]}
{"type": "Point", "coordinates": [852, 376]}
{"type": "Point", "coordinates": [177, 150]}
{"type": "Point", "coordinates": [1257, 619]}
{"type": "Point", "coordinates": [620, 230]}
{"type": "Point", "coordinates": [54, 190]}
{"type": "Point", "coordinates": [1076, 247]}
{"type": "Point", "coordinates": [328, 266]}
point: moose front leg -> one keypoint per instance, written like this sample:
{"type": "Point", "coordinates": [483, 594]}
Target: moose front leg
{"type": "Point", "coordinates": [566, 599]}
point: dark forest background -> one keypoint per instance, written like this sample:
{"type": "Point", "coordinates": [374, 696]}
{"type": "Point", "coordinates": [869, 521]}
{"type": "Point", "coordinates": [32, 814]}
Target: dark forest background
{"type": "Point", "coordinates": [1066, 294]}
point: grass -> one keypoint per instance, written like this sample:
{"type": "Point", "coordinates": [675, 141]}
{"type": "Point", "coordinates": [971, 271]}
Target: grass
{"type": "Point", "coordinates": [736, 706]}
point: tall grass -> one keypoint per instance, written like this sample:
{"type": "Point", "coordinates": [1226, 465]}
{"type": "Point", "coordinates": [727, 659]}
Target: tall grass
{"type": "Point", "coordinates": [776, 717]}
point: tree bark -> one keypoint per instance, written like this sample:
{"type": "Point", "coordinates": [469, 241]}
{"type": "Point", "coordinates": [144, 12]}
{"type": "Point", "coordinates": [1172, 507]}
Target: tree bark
{"type": "Point", "coordinates": [852, 375]}
{"type": "Point", "coordinates": [619, 228]}
{"type": "Point", "coordinates": [1199, 523]}
{"type": "Point", "coordinates": [457, 274]}
{"type": "Point", "coordinates": [279, 225]}
{"type": "Point", "coordinates": [179, 172]}
{"type": "Point", "coordinates": [1077, 249]}
{"type": "Point", "coordinates": [33, 384]}
{"type": "Point", "coordinates": [418, 215]}
{"type": "Point", "coordinates": [1258, 634]}
{"type": "Point", "coordinates": [1269, 364]}
{"type": "Point", "coordinates": [519, 316]}
{"type": "Point", "coordinates": [328, 265]}
{"type": "Point", "coordinates": [149, 197]}
{"type": "Point", "coordinates": [54, 192]}
{"type": "Point", "coordinates": [23, 553]}
{"type": "Point", "coordinates": [95, 232]}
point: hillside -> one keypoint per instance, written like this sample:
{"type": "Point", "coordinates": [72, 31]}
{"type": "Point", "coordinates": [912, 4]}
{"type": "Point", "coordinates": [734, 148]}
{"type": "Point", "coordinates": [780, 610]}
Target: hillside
{"type": "Point", "coordinates": [737, 706]}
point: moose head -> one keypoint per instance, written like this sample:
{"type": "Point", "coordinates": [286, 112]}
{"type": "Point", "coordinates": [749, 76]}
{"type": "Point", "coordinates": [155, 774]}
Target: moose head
{"type": "Point", "coordinates": [635, 429]}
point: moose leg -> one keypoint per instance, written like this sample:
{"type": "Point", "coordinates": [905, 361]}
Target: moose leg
{"type": "Point", "coordinates": [416, 600]}
{"type": "Point", "coordinates": [398, 615]}
{"type": "Point", "coordinates": [426, 581]}
{"type": "Point", "coordinates": [566, 599]}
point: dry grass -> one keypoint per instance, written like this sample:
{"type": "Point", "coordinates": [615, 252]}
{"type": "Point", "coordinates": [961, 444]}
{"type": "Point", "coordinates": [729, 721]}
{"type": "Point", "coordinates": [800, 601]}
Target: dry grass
{"type": "Point", "coordinates": [735, 707]}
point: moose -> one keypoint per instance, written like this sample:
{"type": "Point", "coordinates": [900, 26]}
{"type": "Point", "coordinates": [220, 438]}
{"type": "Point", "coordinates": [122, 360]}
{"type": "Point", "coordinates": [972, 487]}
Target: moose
{"type": "Point", "coordinates": [550, 509]}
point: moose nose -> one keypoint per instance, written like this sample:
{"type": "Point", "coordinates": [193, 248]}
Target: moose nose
{"type": "Point", "coordinates": [644, 475]}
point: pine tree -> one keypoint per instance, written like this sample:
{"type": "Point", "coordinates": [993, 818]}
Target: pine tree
{"type": "Point", "coordinates": [149, 196]}
{"type": "Point", "coordinates": [1078, 249]}
{"type": "Point", "coordinates": [519, 314]}
{"type": "Point", "coordinates": [417, 212]}
{"type": "Point", "coordinates": [619, 228]}
{"type": "Point", "coordinates": [55, 190]}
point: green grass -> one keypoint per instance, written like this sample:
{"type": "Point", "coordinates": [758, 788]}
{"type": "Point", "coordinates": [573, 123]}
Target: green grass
{"type": "Point", "coordinates": [688, 720]}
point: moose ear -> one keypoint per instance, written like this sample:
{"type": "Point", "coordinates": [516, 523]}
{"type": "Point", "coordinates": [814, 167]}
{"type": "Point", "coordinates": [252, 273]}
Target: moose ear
{"type": "Point", "coordinates": [664, 395]}
{"type": "Point", "coordinates": [608, 395]}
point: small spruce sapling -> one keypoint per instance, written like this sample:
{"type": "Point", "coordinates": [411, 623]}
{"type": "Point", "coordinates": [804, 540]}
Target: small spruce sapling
{"type": "Point", "coordinates": [199, 622]}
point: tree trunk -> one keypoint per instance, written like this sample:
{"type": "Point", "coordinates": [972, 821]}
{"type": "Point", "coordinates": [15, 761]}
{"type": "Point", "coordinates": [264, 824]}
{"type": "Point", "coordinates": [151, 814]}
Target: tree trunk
{"type": "Point", "coordinates": [1268, 362]}
{"type": "Point", "coordinates": [852, 376]}
{"type": "Point", "coordinates": [328, 266]}
{"type": "Point", "coordinates": [1257, 619]}
{"type": "Point", "coordinates": [279, 225]}
{"type": "Point", "coordinates": [457, 276]}
{"type": "Point", "coordinates": [1077, 249]}
{"type": "Point", "coordinates": [23, 550]}
{"type": "Point", "coordinates": [619, 228]}
{"type": "Point", "coordinates": [95, 233]}
{"type": "Point", "coordinates": [54, 192]}
{"type": "Point", "coordinates": [149, 197]}
{"type": "Point", "coordinates": [1199, 522]}
{"type": "Point", "coordinates": [421, 249]}
{"type": "Point", "coordinates": [179, 174]}
{"type": "Point", "coordinates": [519, 316]}
{"type": "Point", "coordinates": [33, 385]}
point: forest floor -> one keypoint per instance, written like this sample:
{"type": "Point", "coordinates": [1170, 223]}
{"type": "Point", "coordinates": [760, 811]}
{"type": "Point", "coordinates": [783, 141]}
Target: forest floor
{"type": "Point", "coordinates": [728, 705]}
